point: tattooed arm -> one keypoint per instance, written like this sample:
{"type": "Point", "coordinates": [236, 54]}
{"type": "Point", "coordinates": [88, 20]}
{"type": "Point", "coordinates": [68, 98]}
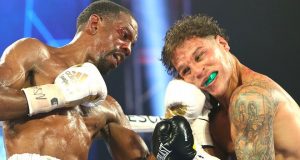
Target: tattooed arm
{"type": "Point", "coordinates": [252, 113]}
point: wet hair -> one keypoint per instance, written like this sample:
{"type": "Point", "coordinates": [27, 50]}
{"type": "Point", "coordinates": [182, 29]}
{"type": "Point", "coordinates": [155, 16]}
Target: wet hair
{"type": "Point", "coordinates": [185, 28]}
{"type": "Point", "coordinates": [101, 8]}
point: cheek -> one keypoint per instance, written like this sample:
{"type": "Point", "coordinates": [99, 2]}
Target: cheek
{"type": "Point", "coordinates": [110, 38]}
{"type": "Point", "coordinates": [193, 81]}
{"type": "Point", "coordinates": [107, 39]}
{"type": "Point", "coordinates": [106, 45]}
{"type": "Point", "coordinates": [218, 55]}
{"type": "Point", "coordinates": [226, 65]}
{"type": "Point", "coordinates": [220, 59]}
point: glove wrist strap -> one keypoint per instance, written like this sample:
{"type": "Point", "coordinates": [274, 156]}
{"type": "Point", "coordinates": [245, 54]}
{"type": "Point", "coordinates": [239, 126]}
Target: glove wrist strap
{"type": "Point", "coordinates": [43, 98]}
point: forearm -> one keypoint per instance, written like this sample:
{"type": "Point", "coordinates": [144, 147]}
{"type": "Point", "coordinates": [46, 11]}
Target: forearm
{"type": "Point", "coordinates": [13, 104]}
{"type": "Point", "coordinates": [124, 143]}
{"type": "Point", "coordinates": [151, 157]}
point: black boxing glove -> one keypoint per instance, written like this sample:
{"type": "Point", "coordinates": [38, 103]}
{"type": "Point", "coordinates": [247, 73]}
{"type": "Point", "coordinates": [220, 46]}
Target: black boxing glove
{"type": "Point", "coordinates": [172, 139]}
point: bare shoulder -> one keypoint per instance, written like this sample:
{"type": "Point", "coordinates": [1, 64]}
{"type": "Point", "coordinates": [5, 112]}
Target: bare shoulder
{"type": "Point", "coordinates": [24, 47]}
{"type": "Point", "coordinates": [252, 95]}
{"type": "Point", "coordinates": [251, 104]}
{"type": "Point", "coordinates": [27, 43]}
{"type": "Point", "coordinates": [279, 96]}
{"type": "Point", "coordinates": [19, 59]}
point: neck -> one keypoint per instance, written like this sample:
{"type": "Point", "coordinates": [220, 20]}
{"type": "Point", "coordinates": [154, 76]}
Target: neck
{"type": "Point", "coordinates": [234, 82]}
{"type": "Point", "coordinates": [76, 51]}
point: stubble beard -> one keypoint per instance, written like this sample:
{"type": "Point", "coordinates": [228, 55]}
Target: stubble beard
{"type": "Point", "coordinates": [104, 66]}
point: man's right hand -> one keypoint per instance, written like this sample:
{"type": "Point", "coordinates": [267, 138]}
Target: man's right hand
{"type": "Point", "coordinates": [75, 85]}
{"type": "Point", "coordinates": [173, 139]}
{"type": "Point", "coordinates": [80, 83]}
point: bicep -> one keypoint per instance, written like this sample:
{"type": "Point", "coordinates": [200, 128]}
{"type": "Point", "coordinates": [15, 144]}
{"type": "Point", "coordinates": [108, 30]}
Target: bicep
{"type": "Point", "coordinates": [251, 115]}
{"type": "Point", "coordinates": [12, 74]}
{"type": "Point", "coordinates": [16, 63]}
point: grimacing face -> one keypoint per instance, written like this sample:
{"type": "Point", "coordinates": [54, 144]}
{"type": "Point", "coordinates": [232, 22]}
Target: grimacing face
{"type": "Point", "coordinates": [116, 40]}
{"type": "Point", "coordinates": [205, 63]}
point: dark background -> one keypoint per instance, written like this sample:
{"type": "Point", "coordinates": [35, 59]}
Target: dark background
{"type": "Point", "coordinates": [264, 35]}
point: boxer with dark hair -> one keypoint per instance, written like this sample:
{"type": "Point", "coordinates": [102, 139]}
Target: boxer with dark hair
{"type": "Point", "coordinates": [257, 118]}
{"type": "Point", "coordinates": [54, 100]}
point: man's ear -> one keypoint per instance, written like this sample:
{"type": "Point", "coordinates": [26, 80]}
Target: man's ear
{"type": "Point", "coordinates": [222, 41]}
{"type": "Point", "coordinates": [93, 23]}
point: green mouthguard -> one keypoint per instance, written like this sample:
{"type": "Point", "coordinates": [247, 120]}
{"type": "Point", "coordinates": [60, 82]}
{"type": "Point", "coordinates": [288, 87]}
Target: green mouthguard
{"type": "Point", "coordinates": [210, 78]}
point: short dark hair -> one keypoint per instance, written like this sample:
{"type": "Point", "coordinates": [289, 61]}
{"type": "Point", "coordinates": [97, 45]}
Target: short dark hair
{"type": "Point", "coordinates": [189, 26]}
{"type": "Point", "coordinates": [103, 8]}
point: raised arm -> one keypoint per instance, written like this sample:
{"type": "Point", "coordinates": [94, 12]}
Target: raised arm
{"type": "Point", "coordinates": [16, 63]}
{"type": "Point", "coordinates": [252, 112]}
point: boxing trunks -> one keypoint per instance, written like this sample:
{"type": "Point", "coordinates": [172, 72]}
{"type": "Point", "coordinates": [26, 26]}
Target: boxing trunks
{"type": "Point", "coordinates": [30, 156]}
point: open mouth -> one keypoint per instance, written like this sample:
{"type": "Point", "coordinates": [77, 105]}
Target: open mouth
{"type": "Point", "coordinates": [211, 78]}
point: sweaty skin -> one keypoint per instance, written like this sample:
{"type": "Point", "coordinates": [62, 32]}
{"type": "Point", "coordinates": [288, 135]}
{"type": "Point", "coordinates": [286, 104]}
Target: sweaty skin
{"type": "Point", "coordinates": [67, 133]}
{"type": "Point", "coordinates": [262, 119]}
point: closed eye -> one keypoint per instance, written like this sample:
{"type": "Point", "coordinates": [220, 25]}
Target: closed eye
{"type": "Point", "coordinates": [198, 54]}
{"type": "Point", "coordinates": [185, 71]}
{"type": "Point", "coordinates": [197, 58]}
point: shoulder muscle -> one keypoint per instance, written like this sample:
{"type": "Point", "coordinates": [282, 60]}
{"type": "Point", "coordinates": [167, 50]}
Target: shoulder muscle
{"type": "Point", "coordinates": [25, 50]}
{"type": "Point", "coordinates": [19, 58]}
{"type": "Point", "coordinates": [250, 104]}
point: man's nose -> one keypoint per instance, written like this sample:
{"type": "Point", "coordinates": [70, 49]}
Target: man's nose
{"type": "Point", "coordinates": [126, 48]}
{"type": "Point", "coordinates": [198, 71]}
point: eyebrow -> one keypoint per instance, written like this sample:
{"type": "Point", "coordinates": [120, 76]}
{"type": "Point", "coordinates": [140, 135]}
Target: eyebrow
{"type": "Point", "coordinates": [196, 50]}
{"type": "Point", "coordinates": [193, 54]}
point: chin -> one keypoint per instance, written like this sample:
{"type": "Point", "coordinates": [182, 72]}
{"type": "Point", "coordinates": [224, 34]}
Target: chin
{"type": "Point", "coordinates": [217, 91]}
{"type": "Point", "coordinates": [104, 71]}
{"type": "Point", "coordinates": [105, 68]}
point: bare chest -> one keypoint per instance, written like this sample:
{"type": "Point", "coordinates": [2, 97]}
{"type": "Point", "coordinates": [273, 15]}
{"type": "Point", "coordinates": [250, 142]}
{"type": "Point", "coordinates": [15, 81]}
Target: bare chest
{"type": "Point", "coordinates": [57, 134]}
{"type": "Point", "coordinates": [46, 72]}
{"type": "Point", "coordinates": [220, 131]}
